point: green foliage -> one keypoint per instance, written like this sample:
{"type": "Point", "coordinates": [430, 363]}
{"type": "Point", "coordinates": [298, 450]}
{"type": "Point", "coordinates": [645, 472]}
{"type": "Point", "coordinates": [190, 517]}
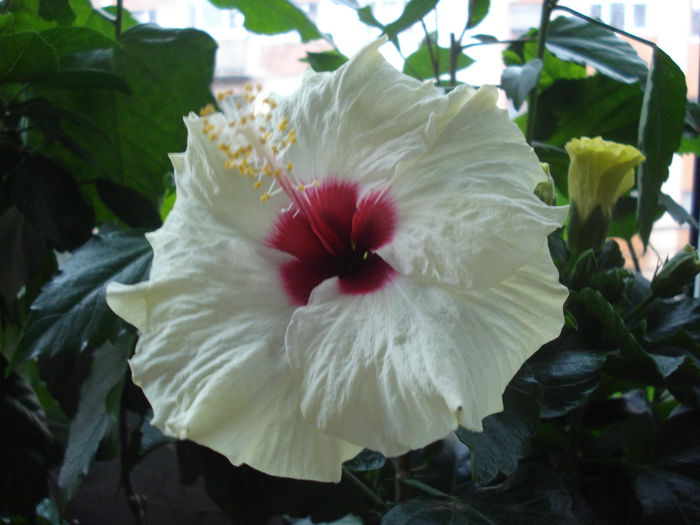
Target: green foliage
{"type": "Point", "coordinates": [71, 313]}
{"type": "Point", "coordinates": [574, 40]}
{"type": "Point", "coordinates": [599, 426]}
{"type": "Point", "coordinates": [660, 128]}
{"type": "Point", "coordinates": [433, 61]}
{"type": "Point", "coordinates": [272, 17]}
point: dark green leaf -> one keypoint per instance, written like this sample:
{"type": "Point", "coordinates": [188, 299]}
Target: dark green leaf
{"type": "Point", "coordinates": [506, 435]}
{"type": "Point", "coordinates": [26, 56]}
{"type": "Point", "coordinates": [518, 81]}
{"type": "Point", "coordinates": [485, 38]}
{"type": "Point", "coordinates": [326, 61]}
{"type": "Point", "coordinates": [668, 498]}
{"type": "Point", "coordinates": [660, 127]}
{"type": "Point", "coordinates": [272, 17]}
{"type": "Point", "coordinates": [667, 317]}
{"type": "Point", "coordinates": [92, 421]}
{"type": "Point", "coordinates": [532, 496]}
{"type": "Point", "coordinates": [129, 205]}
{"type": "Point", "coordinates": [169, 72]}
{"type": "Point", "coordinates": [420, 64]}
{"type": "Point", "coordinates": [23, 249]}
{"type": "Point", "coordinates": [58, 10]}
{"type": "Point", "coordinates": [50, 199]}
{"type": "Point", "coordinates": [414, 11]}
{"type": "Point", "coordinates": [590, 107]}
{"type": "Point", "coordinates": [85, 79]}
{"type": "Point", "coordinates": [675, 210]}
{"type": "Point", "coordinates": [69, 40]}
{"type": "Point", "coordinates": [265, 496]}
{"type": "Point", "coordinates": [28, 449]}
{"type": "Point", "coordinates": [71, 313]}
{"type": "Point", "coordinates": [366, 17]}
{"type": "Point", "coordinates": [567, 376]}
{"type": "Point", "coordinates": [478, 9]}
{"type": "Point", "coordinates": [582, 42]}
{"type": "Point", "coordinates": [365, 460]}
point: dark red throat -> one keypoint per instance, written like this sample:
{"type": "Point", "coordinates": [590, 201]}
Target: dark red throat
{"type": "Point", "coordinates": [332, 232]}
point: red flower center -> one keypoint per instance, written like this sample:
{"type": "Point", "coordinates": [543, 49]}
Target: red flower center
{"type": "Point", "coordinates": [331, 232]}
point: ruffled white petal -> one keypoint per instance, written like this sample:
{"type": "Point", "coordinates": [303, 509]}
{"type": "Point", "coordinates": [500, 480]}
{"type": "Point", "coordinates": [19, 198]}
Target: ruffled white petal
{"type": "Point", "coordinates": [362, 120]}
{"type": "Point", "coordinates": [211, 358]}
{"type": "Point", "coordinates": [399, 368]}
{"type": "Point", "coordinates": [468, 217]}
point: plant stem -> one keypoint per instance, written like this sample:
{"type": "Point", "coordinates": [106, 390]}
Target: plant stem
{"type": "Point", "coordinates": [633, 254]}
{"type": "Point", "coordinates": [455, 50]}
{"type": "Point", "coordinates": [364, 488]}
{"type": "Point", "coordinates": [634, 313]}
{"type": "Point", "coordinates": [434, 55]}
{"type": "Point", "coordinates": [603, 24]}
{"type": "Point", "coordinates": [402, 470]}
{"type": "Point", "coordinates": [547, 7]}
{"type": "Point", "coordinates": [118, 19]}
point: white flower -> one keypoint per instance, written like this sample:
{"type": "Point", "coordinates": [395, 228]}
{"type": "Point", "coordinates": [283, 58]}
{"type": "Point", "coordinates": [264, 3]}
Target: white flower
{"type": "Point", "coordinates": [389, 285]}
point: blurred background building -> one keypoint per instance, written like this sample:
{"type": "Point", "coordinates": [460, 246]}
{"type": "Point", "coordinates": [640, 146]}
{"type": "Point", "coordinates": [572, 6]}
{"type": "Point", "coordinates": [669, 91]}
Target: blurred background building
{"type": "Point", "coordinates": [276, 61]}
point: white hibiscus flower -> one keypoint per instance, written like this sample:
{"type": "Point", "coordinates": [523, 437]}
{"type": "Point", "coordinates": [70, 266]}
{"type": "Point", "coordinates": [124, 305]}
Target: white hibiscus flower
{"type": "Point", "coordinates": [389, 285]}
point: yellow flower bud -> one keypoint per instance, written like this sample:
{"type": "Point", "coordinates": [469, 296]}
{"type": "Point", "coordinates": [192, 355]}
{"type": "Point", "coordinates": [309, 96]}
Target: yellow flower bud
{"type": "Point", "coordinates": [600, 172]}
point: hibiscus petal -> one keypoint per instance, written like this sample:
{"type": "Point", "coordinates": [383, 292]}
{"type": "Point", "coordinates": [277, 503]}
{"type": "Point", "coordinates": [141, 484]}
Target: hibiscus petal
{"type": "Point", "coordinates": [468, 216]}
{"type": "Point", "coordinates": [229, 388]}
{"type": "Point", "coordinates": [373, 117]}
{"type": "Point", "coordinates": [400, 368]}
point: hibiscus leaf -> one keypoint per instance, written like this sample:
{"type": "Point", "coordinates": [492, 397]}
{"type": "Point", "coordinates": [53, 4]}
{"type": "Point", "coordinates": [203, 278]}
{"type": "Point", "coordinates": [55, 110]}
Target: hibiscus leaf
{"type": "Point", "coordinates": [169, 72]}
{"type": "Point", "coordinates": [589, 44]}
{"type": "Point", "coordinates": [26, 56]}
{"type": "Point", "coordinates": [49, 197]}
{"type": "Point", "coordinates": [92, 420]}
{"type": "Point", "coordinates": [567, 376]}
{"type": "Point", "coordinates": [129, 205]}
{"type": "Point", "coordinates": [478, 9]}
{"type": "Point", "coordinates": [29, 450]}
{"type": "Point", "coordinates": [71, 313]}
{"type": "Point", "coordinates": [420, 64]}
{"type": "Point", "coordinates": [326, 60]}
{"type": "Point", "coordinates": [667, 497]}
{"type": "Point", "coordinates": [58, 10]}
{"type": "Point", "coordinates": [414, 11]}
{"type": "Point", "coordinates": [660, 129]}
{"type": "Point", "coordinates": [272, 17]}
{"type": "Point", "coordinates": [82, 79]}
{"type": "Point", "coordinates": [534, 495]}
{"type": "Point", "coordinates": [69, 40]}
{"type": "Point", "coordinates": [506, 435]}
{"type": "Point", "coordinates": [518, 81]}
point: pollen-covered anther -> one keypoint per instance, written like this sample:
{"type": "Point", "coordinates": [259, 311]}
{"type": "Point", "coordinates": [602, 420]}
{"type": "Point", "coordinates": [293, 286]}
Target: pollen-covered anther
{"type": "Point", "coordinates": [207, 110]}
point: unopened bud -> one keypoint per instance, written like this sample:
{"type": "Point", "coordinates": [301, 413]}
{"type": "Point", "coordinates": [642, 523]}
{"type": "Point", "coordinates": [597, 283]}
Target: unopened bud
{"type": "Point", "coordinates": [676, 273]}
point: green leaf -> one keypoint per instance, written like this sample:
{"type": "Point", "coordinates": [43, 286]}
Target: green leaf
{"type": "Point", "coordinates": [532, 496]}
{"type": "Point", "coordinates": [326, 60]}
{"type": "Point", "coordinates": [365, 460]}
{"type": "Point", "coordinates": [567, 376]}
{"type": "Point", "coordinates": [668, 498]}
{"type": "Point", "coordinates": [586, 43]}
{"type": "Point", "coordinates": [272, 17]}
{"type": "Point", "coordinates": [75, 39]}
{"type": "Point", "coordinates": [92, 421]}
{"type": "Point", "coordinates": [71, 313]}
{"type": "Point", "coordinates": [26, 56]}
{"type": "Point", "coordinates": [590, 107]}
{"type": "Point", "coordinates": [23, 251]}
{"type": "Point", "coordinates": [28, 448]}
{"type": "Point", "coordinates": [420, 64]}
{"type": "Point", "coordinates": [518, 81]}
{"type": "Point", "coordinates": [478, 9]}
{"type": "Point", "coordinates": [366, 17]}
{"type": "Point", "coordinates": [129, 205]}
{"type": "Point", "coordinates": [48, 196]}
{"type": "Point", "coordinates": [57, 10]}
{"type": "Point", "coordinates": [675, 210]}
{"type": "Point", "coordinates": [169, 72]}
{"type": "Point", "coordinates": [506, 435]}
{"type": "Point", "coordinates": [414, 11]}
{"type": "Point", "coordinates": [85, 79]}
{"type": "Point", "coordinates": [660, 128]}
